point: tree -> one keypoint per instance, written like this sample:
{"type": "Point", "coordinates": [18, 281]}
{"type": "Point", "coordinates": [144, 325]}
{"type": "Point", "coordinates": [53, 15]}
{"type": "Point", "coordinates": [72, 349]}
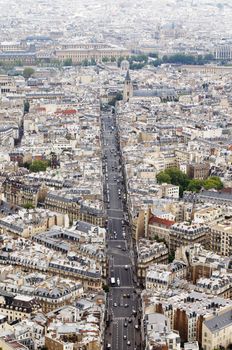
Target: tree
{"type": "Point", "coordinates": [195, 185]}
{"type": "Point", "coordinates": [28, 206]}
{"type": "Point", "coordinates": [120, 59]}
{"type": "Point", "coordinates": [171, 257]}
{"type": "Point", "coordinates": [178, 177]}
{"type": "Point", "coordinates": [85, 63]}
{"type": "Point", "coordinates": [106, 288]}
{"type": "Point", "coordinates": [26, 106]}
{"type": "Point", "coordinates": [38, 165]}
{"type": "Point", "coordinates": [93, 62]}
{"type": "Point", "coordinates": [213, 182]}
{"type": "Point", "coordinates": [68, 62]}
{"type": "Point", "coordinates": [175, 177]}
{"type": "Point", "coordinates": [28, 72]}
{"type": "Point", "coordinates": [153, 55]}
{"type": "Point", "coordinates": [105, 59]}
{"type": "Point", "coordinates": [163, 177]}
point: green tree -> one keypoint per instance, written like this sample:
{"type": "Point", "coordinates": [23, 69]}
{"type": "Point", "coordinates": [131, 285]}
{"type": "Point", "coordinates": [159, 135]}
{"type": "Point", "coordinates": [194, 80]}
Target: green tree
{"type": "Point", "coordinates": [153, 55]}
{"type": "Point", "coordinates": [106, 288]}
{"type": "Point", "coordinates": [195, 185]}
{"type": "Point", "coordinates": [175, 177]}
{"type": "Point", "coordinates": [120, 59]}
{"type": "Point", "coordinates": [26, 106]}
{"type": "Point", "coordinates": [67, 62]}
{"type": "Point", "coordinates": [157, 62]}
{"type": "Point", "coordinates": [213, 182]}
{"type": "Point", "coordinates": [38, 165]}
{"type": "Point", "coordinates": [28, 72]}
{"type": "Point", "coordinates": [93, 62]}
{"type": "Point", "coordinates": [163, 177]}
{"type": "Point", "coordinates": [28, 206]}
{"type": "Point", "coordinates": [112, 59]}
{"type": "Point", "coordinates": [178, 177]}
{"type": "Point", "coordinates": [171, 257]}
{"type": "Point", "coordinates": [105, 59]}
{"type": "Point", "coordinates": [85, 63]}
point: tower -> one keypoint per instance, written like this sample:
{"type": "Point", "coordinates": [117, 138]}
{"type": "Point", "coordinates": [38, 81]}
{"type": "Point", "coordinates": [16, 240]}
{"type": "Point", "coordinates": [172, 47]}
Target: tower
{"type": "Point", "coordinates": [128, 88]}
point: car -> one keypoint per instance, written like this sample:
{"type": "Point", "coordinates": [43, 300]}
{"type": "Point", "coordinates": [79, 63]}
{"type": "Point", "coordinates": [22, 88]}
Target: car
{"type": "Point", "coordinates": [129, 320]}
{"type": "Point", "coordinates": [134, 312]}
{"type": "Point", "coordinates": [123, 249]}
{"type": "Point", "coordinates": [136, 326]}
{"type": "Point", "coordinates": [128, 343]}
{"type": "Point", "coordinates": [128, 295]}
{"type": "Point", "coordinates": [124, 337]}
{"type": "Point", "coordinates": [115, 304]}
{"type": "Point", "coordinates": [124, 295]}
{"type": "Point", "coordinates": [119, 247]}
{"type": "Point", "coordinates": [125, 324]}
{"type": "Point", "coordinates": [126, 267]}
{"type": "Point", "coordinates": [126, 305]}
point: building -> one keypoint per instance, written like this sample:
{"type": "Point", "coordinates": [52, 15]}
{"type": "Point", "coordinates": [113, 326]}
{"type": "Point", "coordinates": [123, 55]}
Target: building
{"type": "Point", "coordinates": [223, 52]}
{"type": "Point", "coordinates": [217, 331]}
{"type": "Point", "coordinates": [158, 335]}
{"type": "Point", "coordinates": [8, 343]}
{"type": "Point", "coordinates": [160, 276]}
{"type": "Point", "coordinates": [17, 307]}
{"type": "Point", "coordinates": [221, 238]}
{"type": "Point", "coordinates": [187, 234]}
{"type": "Point", "coordinates": [170, 191]}
{"type": "Point", "coordinates": [128, 88]}
{"type": "Point", "coordinates": [78, 53]}
{"type": "Point", "coordinates": [186, 311]}
{"type": "Point", "coordinates": [159, 228]}
{"type": "Point", "coordinates": [150, 252]}
{"type": "Point", "coordinates": [198, 171]}
{"type": "Point", "coordinates": [75, 208]}
{"type": "Point", "coordinates": [22, 194]}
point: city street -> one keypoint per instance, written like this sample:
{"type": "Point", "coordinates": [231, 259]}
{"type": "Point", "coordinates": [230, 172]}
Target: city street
{"type": "Point", "coordinates": [123, 323]}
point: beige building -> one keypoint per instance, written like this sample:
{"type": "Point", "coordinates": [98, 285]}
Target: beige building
{"type": "Point", "coordinates": [150, 252]}
{"type": "Point", "coordinates": [221, 238]}
{"type": "Point", "coordinates": [81, 52]}
{"type": "Point", "coordinates": [217, 331]}
{"type": "Point", "coordinates": [187, 234]}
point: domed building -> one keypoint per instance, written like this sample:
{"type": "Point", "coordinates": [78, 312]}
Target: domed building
{"type": "Point", "coordinates": [124, 67]}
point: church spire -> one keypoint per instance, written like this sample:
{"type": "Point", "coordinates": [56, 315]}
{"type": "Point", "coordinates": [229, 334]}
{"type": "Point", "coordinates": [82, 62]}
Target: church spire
{"type": "Point", "coordinates": [128, 88]}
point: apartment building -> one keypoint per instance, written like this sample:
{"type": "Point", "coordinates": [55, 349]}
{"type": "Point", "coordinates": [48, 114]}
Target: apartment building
{"type": "Point", "coordinates": [150, 252]}
{"type": "Point", "coordinates": [221, 238]}
{"type": "Point", "coordinates": [217, 331]}
{"type": "Point", "coordinates": [75, 208]}
{"type": "Point", "coordinates": [187, 234]}
{"type": "Point", "coordinates": [159, 228]}
{"type": "Point", "coordinates": [20, 193]}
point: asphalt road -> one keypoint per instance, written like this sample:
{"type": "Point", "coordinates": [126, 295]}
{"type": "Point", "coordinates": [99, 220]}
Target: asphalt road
{"type": "Point", "coordinates": [123, 316]}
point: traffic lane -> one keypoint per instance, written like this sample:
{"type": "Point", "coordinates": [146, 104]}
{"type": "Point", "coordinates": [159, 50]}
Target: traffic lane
{"type": "Point", "coordinates": [121, 258]}
{"type": "Point", "coordinates": [120, 310]}
{"type": "Point", "coordinates": [115, 213]}
{"type": "Point", "coordinates": [115, 336]}
{"type": "Point", "coordinates": [125, 276]}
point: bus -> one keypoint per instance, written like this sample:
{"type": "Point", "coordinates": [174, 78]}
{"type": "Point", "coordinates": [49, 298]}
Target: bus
{"type": "Point", "coordinates": [112, 281]}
